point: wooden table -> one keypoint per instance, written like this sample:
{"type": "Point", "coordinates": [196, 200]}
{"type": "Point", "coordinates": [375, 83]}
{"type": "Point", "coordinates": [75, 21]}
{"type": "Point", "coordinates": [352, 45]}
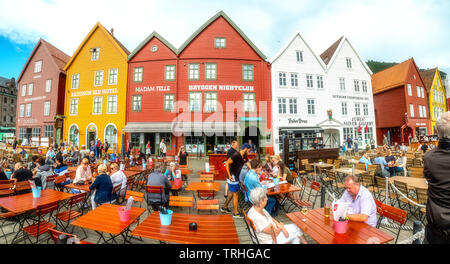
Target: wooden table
{"type": "Point", "coordinates": [105, 219]}
{"type": "Point", "coordinates": [321, 166]}
{"type": "Point", "coordinates": [84, 187]}
{"type": "Point", "coordinates": [349, 171]}
{"type": "Point", "coordinates": [211, 229]}
{"type": "Point", "coordinates": [321, 229]}
{"type": "Point", "coordinates": [282, 189]}
{"type": "Point", "coordinates": [203, 186]}
{"type": "Point", "coordinates": [130, 173]}
{"type": "Point", "coordinates": [411, 182]}
{"type": "Point", "coordinates": [139, 168]}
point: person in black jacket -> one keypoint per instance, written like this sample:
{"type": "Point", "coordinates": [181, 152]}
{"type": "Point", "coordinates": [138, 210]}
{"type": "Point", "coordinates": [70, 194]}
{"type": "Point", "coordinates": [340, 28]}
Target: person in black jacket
{"type": "Point", "coordinates": [437, 173]}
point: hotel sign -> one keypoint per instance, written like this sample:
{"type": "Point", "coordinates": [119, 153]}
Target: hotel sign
{"type": "Point", "coordinates": [94, 92]}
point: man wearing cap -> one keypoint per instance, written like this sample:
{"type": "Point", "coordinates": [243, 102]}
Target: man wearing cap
{"type": "Point", "coordinates": [234, 166]}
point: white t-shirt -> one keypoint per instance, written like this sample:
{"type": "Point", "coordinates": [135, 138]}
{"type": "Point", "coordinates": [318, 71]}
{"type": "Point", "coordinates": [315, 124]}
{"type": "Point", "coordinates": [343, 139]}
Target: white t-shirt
{"type": "Point", "coordinates": [119, 178]}
{"type": "Point", "coordinates": [162, 147]}
{"type": "Point", "coordinates": [261, 222]}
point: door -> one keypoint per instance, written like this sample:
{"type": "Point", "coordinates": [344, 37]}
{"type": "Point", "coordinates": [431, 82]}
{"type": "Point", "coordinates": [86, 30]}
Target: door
{"type": "Point", "coordinates": [151, 137]}
{"type": "Point", "coordinates": [91, 137]}
{"type": "Point", "coordinates": [331, 138]}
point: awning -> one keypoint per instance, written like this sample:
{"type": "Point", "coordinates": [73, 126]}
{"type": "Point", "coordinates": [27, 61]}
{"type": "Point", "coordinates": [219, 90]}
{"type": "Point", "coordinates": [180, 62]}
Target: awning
{"type": "Point", "coordinates": [206, 127]}
{"type": "Point", "coordinates": [148, 127]}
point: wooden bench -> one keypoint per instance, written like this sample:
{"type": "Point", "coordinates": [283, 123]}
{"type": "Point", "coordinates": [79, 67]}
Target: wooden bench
{"type": "Point", "coordinates": [207, 205]}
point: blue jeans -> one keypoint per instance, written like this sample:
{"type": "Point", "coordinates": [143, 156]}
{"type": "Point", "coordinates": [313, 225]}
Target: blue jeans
{"type": "Point", "coordinates": [395, 170]}
{"type": "Point", "coordinates": [270, 206]}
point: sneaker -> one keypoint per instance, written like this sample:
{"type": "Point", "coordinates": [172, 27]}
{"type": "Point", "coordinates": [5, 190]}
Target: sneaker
{"type": "Point", "coordinates": [225, 210]}
{"type": "Point", "coordinates": [238, 215]}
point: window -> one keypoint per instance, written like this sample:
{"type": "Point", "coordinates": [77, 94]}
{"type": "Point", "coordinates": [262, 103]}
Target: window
{"type": "Point", "coordinates": [48, 86]}
{"type": "Point", "coordinates": [74, 106]}
{"type": "Point", "coordinates": [97, 105]}
{"type": "Point", "coordinates": [282, 76]}
{"type": "Point", "coordinates": [95, 54]}
{"type": "Point", "coordinates": [294, 79]}
{"type": "Point", "coordinates": [249, 102]}
{"type": "Point", "coordinates": [30, 89]}
{"type": "Point", "coordinates": [356, 85]}
{"type": "Point", "coordinates": [48, 131]}
{"type": "Point", "coordinates": [311, 107]}
{"type": "Point", "coordinates": [169, 100]}
{"type": "Point", "coordinates": [111, 136]}
{"type": "Point", "coordinates": [220, 43]}
{"type": "Point", "coordinates": [411, 110]}
{"type": "Point", "coordinates": [73, 135]}
{"type": "Point", "coordinates": [366, 109]}
{"type": "Point", "coordinates": [170, 73]}
{"type": "Point", "coordinates": [113, 76]}
{"type": "Point", "coordinates": [22, 132]}
{"type": "Point", "coordinates": [344, 108]}
{"type": "Point", "coordinates": [247, 72]}
{"type": "Point", "coordinates": [364, 86]}
{"type": "Point", "coordinates": [319, 81]}
{"type": "Point", "coordinates": [210, 102]}
{"type": "Point", "coordinates": [98, 78]}
{"type": "Point", "coordinates": [111, 106]}
{"type": "Point", "coordinates": [137, 103]}
{"type": "Point", "coordinates": [422, 92]}
{"type": "Point", "coordinates": [420, 111]}
{"type": "Point", "coordinates": [409, 90]}
{"type": "Point", "coordinates": [28, 110]}
{"type": "Point", "coordinates": [38, 66]}
{"type": "Point", "coordinates": [349, 63]}
{"type": "Point", "coordinates": [210, 71]}
{"type": "Point", "coordinates": [194, 71]}
{"type": "Point", "coordinates": [292, 106]}
{"type": "Point", "coordinates": [357, 109]}
{"type": "Point", "coordinates": [424, 111]}
{"type": "Point", "coordinates": [47, 108]}
{"type": "Point", "coordinates": [299, 56]}
{"type": "Point", "coordinates": [282, 105]}
{"type": "Point", "coordinates": [368, 135]}
{"type": "Point", "coordinates": [195, 102]}
{"type": "Point", "coordinates": [75, 80]}
{"type": "Point", "coordinates": [419, 94]}
{"type": "Point", "coordinates": [309, 81]}
{"type": "Point", "coordinates": [36, 132]}
{"type": "Point", "coordinates": [342, 84]}
{"type": "Point", "coordinates": [137, 77]}
{"type": "Point", "coordinates": [24, 90]}
{"type": "Point", "coordinates": [22, 110]}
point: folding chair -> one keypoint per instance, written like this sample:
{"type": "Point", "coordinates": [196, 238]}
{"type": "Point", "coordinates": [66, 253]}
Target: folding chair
{"type": "Point", "coordinates": [397, 215]}
{"type": "Point", "coordinates": [7, 219]}
{"type": "Point", "coordinates": [207, 205]}
{"type": "Point", "coordinates": [403, 203]}
{"type": "Point", "coordinates": [137, 196]}
{"type": "Point", "coordinates": [336, 184]}
{"type": "Point", "coordinates": [50, 181]}
{"type": "Point", "coordinates": [381, 190]}
{"type": "Point", "coordinates": [329, 161]}
{"type": "Point", "coordinates": [206, 177]}
{"type": "Point", "coordinates": [416, 172]}
{"type": "Point", "coordinates": [422, 198]}
{"type": "Point", "coordinates": [251, 228]}
{"type": "Point", "coordinates": [40, 224]}
{"type": "Point", "coordinates": [181, 201]}
{"type": "Point", "coordinates": [6, 188]}
{"type": "Point", "coordinates": [54, 235]}
{"type": "Point", "coordinates": [245, 205]}
{"type": "Point", "coordinates": [116, 192]}
{"type": "Point", "coordinates": [22, 187]}
{"type": "Point", "coordinates": [361, 166]}
{"type": "Point", "coordinates": [157, 190]}
{"type": "Point", "coordinates": [337, 164]}
{"type": "Point", "coordinates": [58, 180]}
{"type": "Point", "coordinates": [77, 200]}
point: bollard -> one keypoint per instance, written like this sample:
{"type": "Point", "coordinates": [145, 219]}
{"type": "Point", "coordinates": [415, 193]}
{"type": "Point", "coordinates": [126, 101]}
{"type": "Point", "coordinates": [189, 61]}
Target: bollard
{"type": "Point", "coordinates": [322, 196]}
{"type": "Point", "coordinates": [416, 229]}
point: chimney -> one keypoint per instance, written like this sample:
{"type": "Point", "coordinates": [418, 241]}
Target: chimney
{"type": "Point", "coordinates": [112, 31]}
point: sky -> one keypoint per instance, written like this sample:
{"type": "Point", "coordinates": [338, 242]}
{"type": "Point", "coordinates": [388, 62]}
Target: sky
{"type": "Point", "coordinates": [383, 30]}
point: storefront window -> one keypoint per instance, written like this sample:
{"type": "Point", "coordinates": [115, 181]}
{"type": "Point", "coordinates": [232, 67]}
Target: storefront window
{"type": "Point", "coordinates": [134, 139]}
{"type": "Point", "coordinates": [225, 142]}
{"type": "Point", "coordinates": [195, 144]}
{"type": "Point", "coordinates": [111, 136]}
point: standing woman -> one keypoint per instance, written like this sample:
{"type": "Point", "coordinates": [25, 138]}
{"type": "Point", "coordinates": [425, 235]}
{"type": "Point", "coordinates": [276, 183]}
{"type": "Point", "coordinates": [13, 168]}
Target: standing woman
{"type": "Point", "coordinates": [148, 149]}
{"type": "Point", "coordinates": [103, 187]}
{"type": "Point", "coordinates": [182, 156]}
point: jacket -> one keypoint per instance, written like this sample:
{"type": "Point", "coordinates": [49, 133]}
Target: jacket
{"type": "Point", "coordinates": [437, 173]}
{"type": "Point", "coordinates": [157, 179]}
{"type": "Point", "coordinates": [42, 173]}
{"type": "Point", "coordinates": [103, 186]}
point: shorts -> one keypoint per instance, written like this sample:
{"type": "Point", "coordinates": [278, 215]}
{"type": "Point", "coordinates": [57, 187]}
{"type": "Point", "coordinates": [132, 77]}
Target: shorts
{"type": "Point", "coordinates": [233, 186]}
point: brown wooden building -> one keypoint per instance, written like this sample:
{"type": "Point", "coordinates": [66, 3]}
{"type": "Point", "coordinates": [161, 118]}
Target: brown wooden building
{"type": "Point", "coordinates": [40, 100]}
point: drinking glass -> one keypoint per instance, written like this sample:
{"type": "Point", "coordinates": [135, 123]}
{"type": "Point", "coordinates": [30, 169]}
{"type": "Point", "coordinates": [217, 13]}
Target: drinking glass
{"type": "Point", "coordinates": [327, 210]}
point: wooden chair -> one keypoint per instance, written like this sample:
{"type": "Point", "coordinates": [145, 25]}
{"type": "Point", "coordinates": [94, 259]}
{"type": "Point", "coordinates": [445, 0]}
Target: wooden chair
{"type": "Point", "coordinates": [206, 177]}
{"type": "Point", "coordinates": [295, 178]}
{"type": "Point", "coordinates": [40, 224]}
{"type": "Point", "coordinates": [416, 172]}
{"type": "Point", "coordinates": [330, 161]}
{"type": "Point", "coordinates": [7, 219]}
{"type": "Point", "coordinates": [67, 216]}
{"type": "Point", "coordinates": [397, 215]}
{"type": "Point", "coordinates": [6, 188]}
{"type": "Point", "coordinates": [181, 201]}
{"type": "Point", "coordinates": [361, 166]}
{"type": "Point", "coordinates": [422, 198]}
{"type": "Point", "coordinates": [207, 205]}
{"type": "Point", "coordinates": [50, 181]}
{"type": "Point", "coordinates": [116, 192]}
{"type": "Point", "coordinates": [22, 187]}
{"type": "Point", "coordinates": [58, 180]}
{"type": "Point", "coordinates": [137, 196]}
{"type": "Point", "coordinates": [381, 190]}
{"type": "Point", "coordinates": [403, 203]}
{"type": "Point", "coordinates": [337, 164]}
{"type": "Point", "coordinates": [251, 228]}
{"type": "Point", "coordinates": [54, 235]}
{"type": "Point", "coordinates": [336, 184]}
{"type": "Point", "coordinates": [303, 170]}
{"type": "Point", "coordinates": [149, 189]}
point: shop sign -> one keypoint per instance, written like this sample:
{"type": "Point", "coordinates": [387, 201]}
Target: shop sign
{"type": "Point", "coordinates": [421, 124]}
{"type": "Point", "coordinates": [356, 121]}
{"type": "Point", "coordinates": [232, 88]}
{"type": "Point", "coordinates": [297, 121]}
{"type": "Point", "coordinates": [146, 89]}
{"type": "Point", "coordinates": [252, 119]}
{"type": "Point", "coordinates": [29, 121]}
{"type": "Point", "coordinates": [35, 98]}
{"type": "Point", "coordinates": [350, 97]}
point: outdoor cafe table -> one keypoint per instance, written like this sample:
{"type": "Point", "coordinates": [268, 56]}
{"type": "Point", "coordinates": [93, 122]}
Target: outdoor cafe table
{"type": "Point", "coordinates": [281, 189]}
{"type": "Point", "coordinates": [176, 187]}
{"type": "Point", "coordinates": [130, 173]}
{"type": "Point", "coordinates": [138, 168]}
{"type": "Point", "coordinates": [25, 202]}
{"type": "Point", "coordinates": [211, 229]}
{"type": "Point", "coordinates": [411, 182]}
{"type": "Point", "coordinates": [321, 229]}
{"type": "Point", "coordinates": [203, 186]}
{"type": "Point", "coordinates": [105, 219]}
{"type": "Point", "coordinates": [321, 166]}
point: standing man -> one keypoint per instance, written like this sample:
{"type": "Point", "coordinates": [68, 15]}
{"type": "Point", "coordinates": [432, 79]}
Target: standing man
{"type": "Point", "coordinates": [98, 145]}
{"type": "Point", "coordinates": [385, 140]}
{"type": "Point", "coordinates": [234, 148]}
{"type": "Point", "coordinates": [234, 166]}
{"type": "Point", "coordinates": [253, 147]}
{"type": "Point", "coordinates": [15, 144]}
{"type": "Point", "coordinates": [436, 171]}
{"type": "Point", "coordinates": [349, 143]}
{"type": "Point", "coordinates": [130, 147]}
{"type": "Point", "coordinates": [162, 148]}
{"type": "Point", "coordinates": [106, 146]}
{"type": "Point", "coordinates": [372, 143]}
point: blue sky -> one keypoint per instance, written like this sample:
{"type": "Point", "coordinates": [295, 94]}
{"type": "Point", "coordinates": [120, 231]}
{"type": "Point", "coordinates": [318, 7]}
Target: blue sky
{"type": "Point", "coordinates": [382, 30]}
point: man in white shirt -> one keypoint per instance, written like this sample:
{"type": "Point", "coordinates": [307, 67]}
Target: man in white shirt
{"type": "Point", "coordinates": [118, 177]}
{"type": "Point", "coordinates": [162, 148]}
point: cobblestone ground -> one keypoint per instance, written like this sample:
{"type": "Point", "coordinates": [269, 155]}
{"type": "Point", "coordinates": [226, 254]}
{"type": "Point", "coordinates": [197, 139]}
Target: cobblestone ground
{"type": "Point", "coordinates": [195, 164]}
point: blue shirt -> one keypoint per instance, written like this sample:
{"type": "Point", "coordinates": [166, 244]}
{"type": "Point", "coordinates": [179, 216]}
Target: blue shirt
{"type": "Point", "coordinates": [366, 161]}
{"type": "Point", "coordinates": [381, 161]}
{"type": "Point", "coordinates": [251, 181]}
{"type": "Point", "coordinates": [112, 158]}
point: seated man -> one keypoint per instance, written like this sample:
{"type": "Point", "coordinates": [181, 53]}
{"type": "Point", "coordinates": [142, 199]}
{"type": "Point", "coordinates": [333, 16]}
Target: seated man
{"type": "Point", "coordinates": [92, 158]}
{"type": "Point", "coordinates": [267, 229]}
{"type": "Point", "coordinates": [157, 178]}
{"type": "Point", "coordinates": [251, 181]}
{"type": "Point", "coordinates": [362, 206]}
{"type": "Point", "coordinates": [382, 162]}
{"type": "Point", "coordinates": [365, 159]}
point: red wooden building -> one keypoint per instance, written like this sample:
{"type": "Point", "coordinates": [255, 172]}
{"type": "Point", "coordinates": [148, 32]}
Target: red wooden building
{"type": "Point", "coordinates": [40, 99]}
{"type": "Point", "coordinates": [213, 89]}
{"type": "Point", "coordinates": [401, 103]}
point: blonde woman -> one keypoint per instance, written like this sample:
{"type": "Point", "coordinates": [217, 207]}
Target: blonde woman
{"type": "Point", "coordinates": [103, 187]}
{"type": "Point", "coordinates": [402, 163]}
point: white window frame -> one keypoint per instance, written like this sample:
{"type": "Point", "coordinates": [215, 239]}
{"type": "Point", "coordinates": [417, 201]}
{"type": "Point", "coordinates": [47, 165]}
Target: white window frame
{"type": "Point", "coordinates": [47, 106]}
{"type": "Point", "coordinates": [48, 131]}
{"type": "Point", "coordinates": [282, 108]}
{"type": "Point", "coordinates": [38, 66]}
{"type": "Point", "coordinates": [136, 100]}
{"type": "Point", "coordinates": [74, 106]}
{"type": "Point", "coordinates": [309, 81]}
{"type": "Point", "coordinates": [210, 102]}
{"type": "Point", "coordinates": [348, 62]}
{"type": "Point", "coordinates": [98, 75]}
{"type": "Point", "coordinates": [75, 81]}
{"type": "Point", "coordinates": [293, 108]}
{"type": "Point", "coordinates": [357, 109]}
{"type": "Point", "coordinates": [299, 56]}
{"type": "Point", "coordinates": [419, 94]}
{"type": "Point", "coordinates": [294, 80]}
{"type": "Point", "coordinates": [356, 84]}
{"type": "Point", "coordinates": [211, 71]}
{"type": "Point", "coordinates": [320, 81]}
{"type": "Point", "coordinates": [411, 110]}
{"type": "Point", "coordinates": [30, 88]}
{"type": "Point", "coordinates": [249, 102]}
{"type": "Point", "coordinates": [95, 54]}
{"type": "Point", "coordinates": [28, 110]}
{"type": "Point", "coordinates": [24, 90]}
{"type": "Point", "coordinates": [365, 109]}
{"type": "Point", "coordinates": [111, 104]}
{"type": "Point", "coordinates": [95, 103]}
{"type": "Point", "coordinates": [138, 72]}
{"type": "Point", "coordinates": [22, 110]}
{"type": "Point", "coordinates": [311, 106]}
{"type": "Point", "coordinates": [113, 76]}
{"type": "Point", "coordinates": [195, 99]}
{"type": "Point", "coordinates": [220, 42]}
{"type": "Point", "coordinates": [344, 108]}
{"type": "Point", "coordinates": [169, 74]}
{"type": "Point", "coordinates": [248, 72]}
{"type": "Point", "coordinates": [342, 83]}
{"type": "Point", "coordinates": [48, 85]}
{"type": "Point", "coordinates": [364, 86]}
{"type": "Point", "coordinates": [194, 71]}
{"type": "Point", "coordinates": [409, 89]}
{"type": "Point", "coordinates": [169, 102]}
{"type": "Point", "coordinates": [282, 79]}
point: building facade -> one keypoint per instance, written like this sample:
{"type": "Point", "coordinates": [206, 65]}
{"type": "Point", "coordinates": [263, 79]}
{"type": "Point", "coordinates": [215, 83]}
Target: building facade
{"type": "Point", "coordinates": [213, 89]}
{"type": "Point", "coordinates": [8, 100]}
{"type": "Point", "coordinates": [96, 90]}
{"type": "Point", "coordinates": [437, 96]}
{"type": "Point", "coordinates": [400, 103]}
{"type": "Point", "coordinates": [40, 101]}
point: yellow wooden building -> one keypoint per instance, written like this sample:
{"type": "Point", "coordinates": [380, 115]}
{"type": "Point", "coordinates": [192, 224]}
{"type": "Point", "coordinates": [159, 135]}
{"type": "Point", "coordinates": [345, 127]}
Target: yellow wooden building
{"type": "Point", "coordinates": [436, 95]}
{"type": "Point", "coordinates": [96, 89]}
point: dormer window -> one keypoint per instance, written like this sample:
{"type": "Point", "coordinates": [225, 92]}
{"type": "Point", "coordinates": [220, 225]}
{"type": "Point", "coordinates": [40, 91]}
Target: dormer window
{"type": "Point", "coordinates": [38, 66]}
{"type": "Point", "coordinates": [95, 53]}
{"type": "Point", "coordinates": [220, 43]}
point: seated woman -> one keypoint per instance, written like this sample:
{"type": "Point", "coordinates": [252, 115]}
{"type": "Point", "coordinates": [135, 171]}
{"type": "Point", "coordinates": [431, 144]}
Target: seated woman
{"type": "Point", "coordinates": [284, 173]}
{"type": "Point", "coordinates": [401, 168]}
{"type": "Point", "coordinates": [103, 187]}
{"type": "Point", "coordinates": [251, 181]}
{"type": "Point", "coordinates": [83, 173]}
{"type": "Point", "coordinates": [268, 166]}
{"type": "Point", "coordinates": [267, 229]}
{"type": "Point", "coordinates": [365, 159]}
{"type": "Point", "coordinates": [170, 172]}
{"type": "Point", "coordinates": [275, 159]}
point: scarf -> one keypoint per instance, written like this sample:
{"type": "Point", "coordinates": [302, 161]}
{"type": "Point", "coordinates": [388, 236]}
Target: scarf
{"type": "Point", "coordinates": [444, 144]}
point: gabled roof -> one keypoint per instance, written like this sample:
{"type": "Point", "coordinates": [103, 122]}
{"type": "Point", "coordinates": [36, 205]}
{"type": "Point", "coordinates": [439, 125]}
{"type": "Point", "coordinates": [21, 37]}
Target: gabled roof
{"type": "Point", "coordinates": [210, 21]}
{"type": "Point", "coordinates": [58, 57]}
{"type": "Point", "coordinates": [124, 51]}
{"type": "Point", "coordinates": [288, 44]}
{"type": "Point", "coordinates": [428, 78]}
{"type": "Point", "coordinates": [329, 56]}
{"type": "Point", "coordinates": [392, 77]}
{"type": "Point", "coordinates": [4, 82]}
{"type": "Point", "coordinates": [150, 37]}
